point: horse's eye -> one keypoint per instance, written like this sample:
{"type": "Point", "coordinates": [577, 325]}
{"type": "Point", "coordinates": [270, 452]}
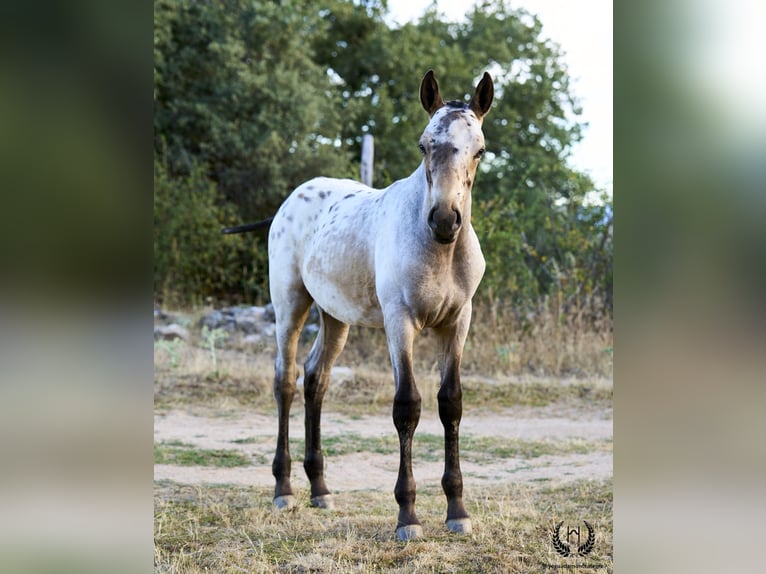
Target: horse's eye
{"type": "Point", "coordinates": [422, 148]}
{"type": "Point", "coordinates": [480, 153]}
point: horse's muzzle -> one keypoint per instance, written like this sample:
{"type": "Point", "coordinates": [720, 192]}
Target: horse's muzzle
{"type": "Point", "coordinates": [444, 224]}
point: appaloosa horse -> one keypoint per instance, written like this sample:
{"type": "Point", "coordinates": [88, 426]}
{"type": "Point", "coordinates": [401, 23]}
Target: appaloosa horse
{"type": "Point", "coordinates": [404, 258]}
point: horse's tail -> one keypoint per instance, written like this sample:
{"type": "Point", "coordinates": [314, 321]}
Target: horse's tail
{"type": "Point", "coordinates": [248, 226]}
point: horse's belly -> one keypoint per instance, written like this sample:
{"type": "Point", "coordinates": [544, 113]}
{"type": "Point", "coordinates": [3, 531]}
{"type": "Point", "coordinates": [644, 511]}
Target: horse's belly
{"type": "Point", "coordinates": [341, 282]}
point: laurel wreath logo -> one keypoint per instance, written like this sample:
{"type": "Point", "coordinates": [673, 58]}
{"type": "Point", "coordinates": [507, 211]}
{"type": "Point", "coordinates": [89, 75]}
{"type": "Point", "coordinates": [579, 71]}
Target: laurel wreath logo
{"type": "Point", "coordinates": [565, 550]}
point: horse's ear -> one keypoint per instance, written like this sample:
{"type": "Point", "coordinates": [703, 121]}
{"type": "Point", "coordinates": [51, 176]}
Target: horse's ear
{"type": "Point", "coordinates": [482, 97]}
{"type": "Point", "coordinates": [429, 93]}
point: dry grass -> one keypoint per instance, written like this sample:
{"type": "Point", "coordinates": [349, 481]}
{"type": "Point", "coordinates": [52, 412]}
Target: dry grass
{"type": "Point", "coordinates": [544, 342]}
{"type": "Point", "coordinates": [508, 362]}
{"type": "Point", "coordinates": [244, 379]}
{"type": "Point", "coordinates": [502, 342]}
{"type": "Point", "coordinates": [234, 529]}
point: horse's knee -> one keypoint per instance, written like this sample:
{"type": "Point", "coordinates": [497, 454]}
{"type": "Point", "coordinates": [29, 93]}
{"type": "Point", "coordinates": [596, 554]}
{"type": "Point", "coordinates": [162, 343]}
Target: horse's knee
{"type": "Point", "coordinates": [407, 409]}
{"type": "Point", "coordinates": [450, 410]}
{"type": "Point", "coordinates": [284, 382]}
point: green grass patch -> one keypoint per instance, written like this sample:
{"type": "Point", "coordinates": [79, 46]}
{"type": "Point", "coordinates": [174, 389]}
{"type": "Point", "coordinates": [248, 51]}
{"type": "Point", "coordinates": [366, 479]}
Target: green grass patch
{"type": "Point", "coordinates": [430, 447]}
{"type": "Point", "coordinates": [246, 440]}
{"type": "Point", "coordinates": [182, 454]}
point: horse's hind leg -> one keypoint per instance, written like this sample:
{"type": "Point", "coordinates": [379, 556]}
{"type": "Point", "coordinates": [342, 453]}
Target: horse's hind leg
{"type": "Point", "coordinates": [328, 345]}
{"type": "Point", "coordinates": [450, 398]}
{"type": "Point", "coordinates": [291, 309]}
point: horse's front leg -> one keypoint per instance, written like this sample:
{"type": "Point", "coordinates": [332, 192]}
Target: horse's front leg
{"type": "Point", "coordinates": [450, 412]}
{"type": "Point", "coordinates": [400, 334]}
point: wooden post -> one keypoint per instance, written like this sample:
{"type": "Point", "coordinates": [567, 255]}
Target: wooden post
{"type": "Point", "coordinates": [368, 156]}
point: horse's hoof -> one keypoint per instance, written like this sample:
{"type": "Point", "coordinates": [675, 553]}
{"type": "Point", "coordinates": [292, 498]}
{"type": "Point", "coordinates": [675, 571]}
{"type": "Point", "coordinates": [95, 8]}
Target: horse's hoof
{"type": "Point", "coordinates": [284, 502]}
{"type": "Point", "coordinates": [460, 525]}
{"type": "Point", "coordinates": [409, 532]}
{"type": "Point", "coordinates": [324, 502]}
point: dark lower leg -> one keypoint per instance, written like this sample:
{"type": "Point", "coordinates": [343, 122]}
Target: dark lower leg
{"type": "Point", "coordinates": [283, 392]}
{"type": "Point", "coordinates": [450, 413]}
{"type": "Point", "coordinates": [327, 347]}
{"type": "Point", "coordinates": [407, 406]}
{"type": "Point", "coordinates": [313, 463]}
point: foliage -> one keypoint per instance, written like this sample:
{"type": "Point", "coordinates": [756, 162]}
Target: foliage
{"type": "Point", "coordinates": [192, 259]}
{"type": "Point", "coordinates": [264, 96]}
{"type": "Point", "coordinates": [236, 91]}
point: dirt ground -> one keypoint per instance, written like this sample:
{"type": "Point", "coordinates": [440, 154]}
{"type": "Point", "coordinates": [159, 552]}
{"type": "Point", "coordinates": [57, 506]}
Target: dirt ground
{"type": "Point", "coordinates": [255, 434]}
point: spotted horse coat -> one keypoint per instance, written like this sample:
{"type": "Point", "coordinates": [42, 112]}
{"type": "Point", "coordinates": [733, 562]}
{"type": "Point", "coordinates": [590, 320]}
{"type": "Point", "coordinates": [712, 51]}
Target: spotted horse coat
{"type": "Point", "coordinates": [404, 258]}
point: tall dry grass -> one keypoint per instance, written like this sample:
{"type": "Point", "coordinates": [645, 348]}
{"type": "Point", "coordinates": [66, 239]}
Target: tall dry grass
{"type": "Point", "coordinates": [550, 339]}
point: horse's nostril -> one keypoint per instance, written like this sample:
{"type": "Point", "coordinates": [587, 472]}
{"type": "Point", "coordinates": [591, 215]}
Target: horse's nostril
{"type": "Point", "coordinates": [458, 220]}
{"type": "Point", "coordinates": [431, 222]}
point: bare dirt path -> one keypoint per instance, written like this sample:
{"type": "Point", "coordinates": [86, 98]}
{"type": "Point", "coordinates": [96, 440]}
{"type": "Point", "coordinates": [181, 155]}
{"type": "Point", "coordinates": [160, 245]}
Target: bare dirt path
{"type": "Point", "coordinates": [254, 434]}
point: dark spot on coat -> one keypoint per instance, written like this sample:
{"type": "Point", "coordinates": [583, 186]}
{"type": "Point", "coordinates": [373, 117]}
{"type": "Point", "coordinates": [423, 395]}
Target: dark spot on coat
{"type": "Point", "coordinates": [441, 154]}
{"type": "Point", "coordinates": [333, 206]}
{"type": "Point", "coordinates": [310, 187]}
{"type": "Point", "coordinates": [349, 195]}
{"type": "Point", "coordinates": [450, 117]}
{"type": "Point", "coordinates": [306, 198]}
{"type": "Point", "coordinates": [323, 194]}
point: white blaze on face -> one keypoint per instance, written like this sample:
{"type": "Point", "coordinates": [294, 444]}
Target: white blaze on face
{"type": "Point", "coordinates": [452, 144]}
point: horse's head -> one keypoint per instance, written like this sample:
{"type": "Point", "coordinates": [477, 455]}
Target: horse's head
{"type": "Point", "coordinates": [452, 145]}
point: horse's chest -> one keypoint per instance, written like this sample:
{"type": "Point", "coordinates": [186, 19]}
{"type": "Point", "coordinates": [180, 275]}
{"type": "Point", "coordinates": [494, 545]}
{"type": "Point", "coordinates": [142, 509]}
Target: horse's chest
{"type": "Point", "coordinates": [437, 300]}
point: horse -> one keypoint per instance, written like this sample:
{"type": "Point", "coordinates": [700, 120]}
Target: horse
{"type": "Point", "coordinates": [404, 258]}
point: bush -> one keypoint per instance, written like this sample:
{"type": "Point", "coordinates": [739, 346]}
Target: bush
{"type": "Point", "coordinates": [194, 262]}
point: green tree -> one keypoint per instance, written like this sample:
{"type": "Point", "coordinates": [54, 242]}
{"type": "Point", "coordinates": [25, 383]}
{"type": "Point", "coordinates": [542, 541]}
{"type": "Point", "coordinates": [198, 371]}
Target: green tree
{"type": "Point", "coordinates": [529, 209]}
{"type": "Point", "coordinates": [264, 95]}
{"type": "Point", "coordinates": [236, 91]}
{"type": "Point", "coordinates": [193, 261]}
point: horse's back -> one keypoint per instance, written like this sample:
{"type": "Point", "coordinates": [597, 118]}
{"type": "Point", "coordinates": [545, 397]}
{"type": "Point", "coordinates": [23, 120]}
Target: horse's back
{"type": "Point", "coordinates": [320, 237]}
